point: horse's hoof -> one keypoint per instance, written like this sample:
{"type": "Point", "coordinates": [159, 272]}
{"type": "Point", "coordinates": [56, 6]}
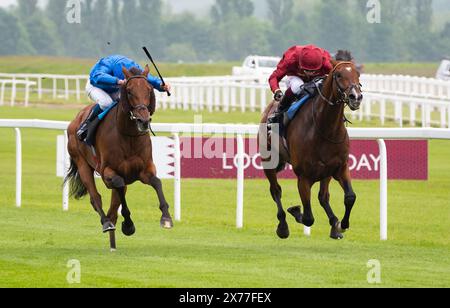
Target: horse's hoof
{"type": "Point", "coordinates": [128, 230]}
{"type": "Point", "coordinates": [335, 234]}
{"type": "Point", "coordinates": [296, 211]}
{"type": "Point", "coordinates": [113, 250]}
{"type": "Point", "coordinates": [283, 231]}
{"type": "Point", "coordinates": [166, 223]}
{"type": "Point", "coordinates": [108, 226]}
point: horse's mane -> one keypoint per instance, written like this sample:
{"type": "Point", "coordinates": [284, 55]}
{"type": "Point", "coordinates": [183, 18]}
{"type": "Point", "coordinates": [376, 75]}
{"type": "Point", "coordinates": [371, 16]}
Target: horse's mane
{"type": "Point", "coordinates": [135, 71]}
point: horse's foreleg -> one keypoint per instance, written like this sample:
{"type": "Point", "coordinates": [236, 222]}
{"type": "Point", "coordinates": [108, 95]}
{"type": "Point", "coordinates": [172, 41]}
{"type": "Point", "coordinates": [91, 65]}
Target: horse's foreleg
{"type": "Point", "coordinates": [304, 188]}
{"type": "Point", "coordinates": [324, 199]}
{"type": "Point", "coordinates": [276, 192]}
{"type": "Point", "coordinates": [87, 177]}
{"type": "Point", "coordinates": [350, 197]}
{"type": "Point", "coordinates": [151, 179]}
{"type": "Point", "coordinates": [117, 184]}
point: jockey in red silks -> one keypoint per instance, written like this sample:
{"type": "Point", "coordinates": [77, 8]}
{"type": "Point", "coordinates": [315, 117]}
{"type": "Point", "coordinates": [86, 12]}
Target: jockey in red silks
{"type": "Point", "coordinates": [301, 65]}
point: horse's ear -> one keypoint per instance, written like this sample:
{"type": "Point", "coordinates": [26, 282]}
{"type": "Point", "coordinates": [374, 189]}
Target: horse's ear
{"type": "Point", "coordinates": [146, 71]}
{"type": "Point", "coordinates": [126, 72]}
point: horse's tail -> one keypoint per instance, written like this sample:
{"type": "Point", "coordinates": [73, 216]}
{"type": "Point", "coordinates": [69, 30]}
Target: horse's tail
{"type": "Point", "coordinates": [77, 188]}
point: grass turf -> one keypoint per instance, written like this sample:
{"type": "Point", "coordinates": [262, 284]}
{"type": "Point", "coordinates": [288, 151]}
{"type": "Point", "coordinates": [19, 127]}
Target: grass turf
{"type": "Point", "coordinates": [205, 249]}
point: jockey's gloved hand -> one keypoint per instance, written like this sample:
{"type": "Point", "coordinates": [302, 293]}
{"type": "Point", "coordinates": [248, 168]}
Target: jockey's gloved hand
{"type": "Point", "coordinates": [278, 96]}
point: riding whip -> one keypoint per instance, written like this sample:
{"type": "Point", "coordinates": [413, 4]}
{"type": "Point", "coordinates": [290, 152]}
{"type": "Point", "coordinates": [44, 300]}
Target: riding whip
{"type": "Point", "coordinates": [153, 62]}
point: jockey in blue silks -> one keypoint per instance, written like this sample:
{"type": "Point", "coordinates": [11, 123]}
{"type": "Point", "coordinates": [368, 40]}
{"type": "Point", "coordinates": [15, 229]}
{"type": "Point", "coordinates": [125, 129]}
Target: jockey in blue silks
{"type": "Point", "coordinates": [103, 88]}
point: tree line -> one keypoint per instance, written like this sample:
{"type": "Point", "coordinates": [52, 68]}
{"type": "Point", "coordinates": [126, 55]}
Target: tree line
{"type": "Point", "coordinates": [231, 30]}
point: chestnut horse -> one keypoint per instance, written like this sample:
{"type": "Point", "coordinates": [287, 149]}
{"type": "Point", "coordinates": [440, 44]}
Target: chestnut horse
{"type": "Point", "coordinates": [123, 154]}
{"type": "Point", "coordinates": [318, 149]}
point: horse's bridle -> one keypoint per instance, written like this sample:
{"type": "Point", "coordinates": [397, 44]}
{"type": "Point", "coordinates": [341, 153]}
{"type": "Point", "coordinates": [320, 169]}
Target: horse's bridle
{"type": "Point", "coordinates": [343, 99]}
{"type": "Point", "coordinates": [138, 107]}
{"type": "Point", "coordinates": [343, 93]}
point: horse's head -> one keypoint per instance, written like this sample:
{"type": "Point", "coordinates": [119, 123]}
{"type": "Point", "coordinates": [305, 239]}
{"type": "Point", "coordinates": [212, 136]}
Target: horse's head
{"type": "Point", "coordinates": [346, 80]}
{"type": "Point", "coordinates": [139, 97]}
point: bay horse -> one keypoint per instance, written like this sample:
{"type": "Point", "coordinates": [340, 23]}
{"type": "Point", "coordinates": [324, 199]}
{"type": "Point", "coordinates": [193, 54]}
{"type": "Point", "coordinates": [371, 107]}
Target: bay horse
{"type": "Point", "coordinates": [318, 149]}
{"type": "Point", "coordinates": [122, 154]}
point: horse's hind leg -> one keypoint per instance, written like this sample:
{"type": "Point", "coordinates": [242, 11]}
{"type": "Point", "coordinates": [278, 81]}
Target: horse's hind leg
{"type": "Point", "coordinates": [324, 199]}
{"type": "Point", "coordinates": [87, 177]}
{"type": "Point", "coordinates": [276, 192]}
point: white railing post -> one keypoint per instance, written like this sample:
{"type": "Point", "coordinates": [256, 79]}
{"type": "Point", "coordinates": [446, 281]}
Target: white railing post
{"type": "Point", "coordinates": [18, 168]}
{"type": "Point", "coordinates": [383, 191]}
{"type": "Point", "coordinates": [383, 112]}
{"type": "Point", "coordinates": [27, 93]}
{"type": "Point", "coordinates": [217, 104]}
{"type": "Point", "coordinates": [210, 98]}
{"type": "Point", "coordinates": [194, 98]}
{"type": "Point", "coordinates": [233, 98]}
{"type": "Point", "coordinates": [77, 86]}
{"type": "Point", "coordinates": [55, 87]}
{"type": "Point", "coordinates": [39, 84]}
{"type": "Point", "coordinates": [13, 92]}
{"type": "Point", "coordinates": [443, 117]}
{"type": "Point", "coordinates": [177, 185]}
{"type": "Point", "coordinates": [240, 182]}
{"type": "Point", "coordinates": [201, 97]}
{"type": "Point", "coordinates": [448, 114]}
{"type": "Point", "coordinates": [263, 99]}
{"type": "Point", "coordinates": [243, 98]}
{"type": "Point", "coordinates": [412, 114]}
{"type": "Point", "coordinates": [226, 98]}
{"type": "Point", "coordinates": [252, 99]}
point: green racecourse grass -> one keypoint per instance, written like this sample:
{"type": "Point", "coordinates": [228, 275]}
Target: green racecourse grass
{"type": "Point", "coordinates": [205, 249]}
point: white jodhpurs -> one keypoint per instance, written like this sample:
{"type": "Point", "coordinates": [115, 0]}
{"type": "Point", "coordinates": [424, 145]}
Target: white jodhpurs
{"type": "Point", "coordinates": [100, 97]}
{"type": "Point", "coordinates": [295, 83]}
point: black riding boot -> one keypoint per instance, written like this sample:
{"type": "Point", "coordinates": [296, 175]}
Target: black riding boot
{"type": "Point", "coordinates": [92, 131]}
{"type": "Point", "coordinates": [82, 132]}
{"type": "Point", "coordinates": [284, 106]}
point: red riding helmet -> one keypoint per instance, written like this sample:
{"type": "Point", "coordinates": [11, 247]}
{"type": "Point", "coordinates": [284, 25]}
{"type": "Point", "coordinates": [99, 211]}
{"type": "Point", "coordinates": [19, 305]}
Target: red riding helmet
{"type": "Point", "coordinates": [311, 58]}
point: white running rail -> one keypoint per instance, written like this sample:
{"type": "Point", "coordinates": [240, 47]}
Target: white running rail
{"type": "Point", "coordinates": [379, 134]}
